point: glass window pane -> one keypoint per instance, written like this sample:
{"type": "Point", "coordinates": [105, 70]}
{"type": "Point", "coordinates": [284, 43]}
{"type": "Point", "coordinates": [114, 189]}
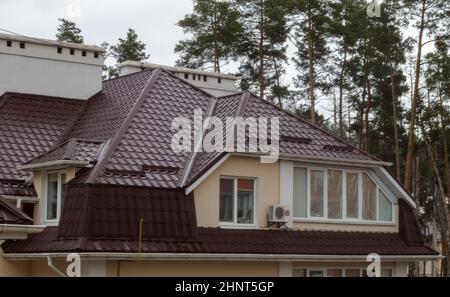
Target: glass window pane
{"type": "Point", "coordinates": [52, 196]}
{"type": "Point", "coordinates": [317, 178]}
{"type": "Point", "coordinates": [245, 209]}
{"type": "Point", "coordinates": [352, 273]}
{"type": "Point", "coordinates": [300, 192]}
{"type": "Point", "coordinates": [298, 272]}
{"type": "Point", "coordinates": [352, 196]}
{"type": "Point", "coordinates": [334, 272]}
{"type": "Point", "coordinates": [63, 189]}
{"type": "Point", "coordinates": [334, 194]}
{"type": "Point", "coordinates": [385, 207]}
{"type": "Point", "coordinates": [369, 199]}
{"type": "Point", "coordinates": [226, 200]}
{"type": "Point", "coordinates": [314, 273]}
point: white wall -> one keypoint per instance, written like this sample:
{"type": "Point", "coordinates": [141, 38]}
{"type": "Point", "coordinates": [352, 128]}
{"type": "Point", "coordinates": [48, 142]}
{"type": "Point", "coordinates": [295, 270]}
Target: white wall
{"type": "Point", "coordinates": [41, 70]}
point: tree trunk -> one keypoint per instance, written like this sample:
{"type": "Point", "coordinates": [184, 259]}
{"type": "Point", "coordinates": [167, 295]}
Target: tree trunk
{"type": "Point", "coordinates": [444, 141]}
{"type": "Point", "coordinates": [311, 69]}
{"type": "Point", "coordinates": [261, 51]}
{"type": "Point", "coordinates": [395, 120]}
{"type": "Point", "coordinates": [441, 205]}
{"type": "Point", "coordinates": [341, 93]}
{"type": "Point", "coordinates": [414, 102]}
{"type": "Point", "coordinates": [216, 45]}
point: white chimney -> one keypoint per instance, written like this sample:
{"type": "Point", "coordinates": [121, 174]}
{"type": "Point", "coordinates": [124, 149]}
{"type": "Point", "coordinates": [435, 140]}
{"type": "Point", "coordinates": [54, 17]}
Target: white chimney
{"type": "Point", "coordinates": [50, 68]}
{"type": "Point", "coordinates": [216, 84]}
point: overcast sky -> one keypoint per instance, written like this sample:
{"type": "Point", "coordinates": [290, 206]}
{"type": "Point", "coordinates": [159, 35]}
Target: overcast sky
{"type": "Point", "coordinates": [107, 20]}
{"type": "Point", "coordinates": [102, 20]}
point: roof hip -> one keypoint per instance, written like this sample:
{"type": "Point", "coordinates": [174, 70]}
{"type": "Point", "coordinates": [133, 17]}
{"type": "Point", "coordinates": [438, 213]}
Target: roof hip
{"type": "Point", "coordinates": [118, 136]}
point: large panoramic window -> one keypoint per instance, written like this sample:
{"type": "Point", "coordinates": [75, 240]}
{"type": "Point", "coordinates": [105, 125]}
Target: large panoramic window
{"type": "Point", "coordinates": [55, 195]}
{"type": "Point", "coordinates": [334, 194]}
{"type": "Point", "coordinates": [237, 201]}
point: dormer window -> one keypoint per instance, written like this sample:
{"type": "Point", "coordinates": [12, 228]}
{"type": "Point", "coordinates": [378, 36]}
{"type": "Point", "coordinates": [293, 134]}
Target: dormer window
{"type": "Point", "coordinates": [22, 45]}
{"type": "Point", "coordinates": [345, 195]}
{"type": "Point", "coordinates": [54, 196]}
{"type": "Point", "coordinates": [9, 43]}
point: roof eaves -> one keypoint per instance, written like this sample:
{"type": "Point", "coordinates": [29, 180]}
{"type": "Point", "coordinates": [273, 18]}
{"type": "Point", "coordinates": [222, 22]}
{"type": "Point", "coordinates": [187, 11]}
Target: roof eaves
{"type": "Point", "coordinates": [117, 138]}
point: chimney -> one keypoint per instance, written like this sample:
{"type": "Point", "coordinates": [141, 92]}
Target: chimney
{"type": "Point", "coordinates": [216, 84]}
{"type": "Point", "coordinates": [50, 68]}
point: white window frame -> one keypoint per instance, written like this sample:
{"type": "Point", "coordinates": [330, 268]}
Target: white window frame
{"type": "Point", "coordinates": [235, 224]}
{"type": "Point", "coordinates": [344, 219]}
{"type": "Point", "coordinates": [45, 220]}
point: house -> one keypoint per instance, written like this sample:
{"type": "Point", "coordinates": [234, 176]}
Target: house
{"type": "Point", "coordinates": [87, 167]}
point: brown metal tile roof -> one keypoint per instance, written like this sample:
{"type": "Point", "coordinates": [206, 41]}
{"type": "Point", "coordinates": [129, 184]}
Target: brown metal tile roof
{"type": "Point", "coordinates": [9, 214]}
{"type": "Point", "coordinates": [29, 126]}
{"type": "Point", "coordinates": [74, 150]}
{"type": "Point", "coordinates": [223, 241]}
{"type": "Point", "coordinates": [102, 211]}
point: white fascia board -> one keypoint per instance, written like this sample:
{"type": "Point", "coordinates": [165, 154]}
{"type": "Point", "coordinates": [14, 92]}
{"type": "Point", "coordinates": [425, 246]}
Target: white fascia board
{"type": "Point", "coordinates": [398, 187]}
{"type": "Point", "coordinates": [222, 257]}
{"type": "Point", "coordinates": [206, 174]}
{"type": "Point", "coordinates": [8, 232]}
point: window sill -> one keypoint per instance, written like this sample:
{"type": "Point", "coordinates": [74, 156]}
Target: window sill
{"type": "Point", "coordinates": [50, 223]}
{"type": "Point", "coordinates": [343, 222]}
{"type": "Point", "coordinates": [238, 226]}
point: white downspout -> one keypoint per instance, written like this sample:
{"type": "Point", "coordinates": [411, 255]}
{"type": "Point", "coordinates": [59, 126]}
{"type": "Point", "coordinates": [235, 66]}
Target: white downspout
{"type": "Point", "coordinates": [54, 268]}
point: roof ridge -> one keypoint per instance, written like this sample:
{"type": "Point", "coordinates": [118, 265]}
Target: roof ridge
{"type": "Point", "coordinates": [127, 75]}
{"type": "Point", "coordinates": [119, 134]}
{"type": "Point", "coordinates": [315, 126]}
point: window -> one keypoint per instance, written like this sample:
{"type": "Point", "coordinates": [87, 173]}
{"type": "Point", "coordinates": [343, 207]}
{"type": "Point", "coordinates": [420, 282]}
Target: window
{"type": "Point", "coordinates": [22, 45]}
{"type": "Point", "coordinates": [385, 207]}
{"type": "Point", "coordinates": [336, 194]}
{"type": "Point", "coordinates": [317, 192]}
{"type": "Point", "coordinates": [352, 196]}
{"type": "Point", "coordinates": [83, 53]}
{"type": "Point", "coordinates": [186, 76]}
{"type": "Point", "coordinates": [205, 78]}
{"type": "Point", "coordinates": [194, 77]}
{"type": "Point", "coordinates": [219, 80]}
{"type": "Point", "coordinates": [55, 195]}
{"type": "Point", "coordinates": [369, 198]}
{"type": "Point", "coordinates": [237, 201]}
{"type": "Point", "coordinates": [8, 43]}
{"type": "Point", "coordinates": [96, 55]}
{"type": "Point", "coordinates": [337, 272]}
{"type": "Point", "coordinates": [300, 192]}
{"type": "Point", "coordinates": [59, 50]}
{"type": "Point", "coordinates": [72, 51]}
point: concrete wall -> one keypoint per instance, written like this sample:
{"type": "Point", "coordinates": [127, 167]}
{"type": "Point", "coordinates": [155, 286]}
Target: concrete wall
{"type": "Point", "coordinates": [39, 69]}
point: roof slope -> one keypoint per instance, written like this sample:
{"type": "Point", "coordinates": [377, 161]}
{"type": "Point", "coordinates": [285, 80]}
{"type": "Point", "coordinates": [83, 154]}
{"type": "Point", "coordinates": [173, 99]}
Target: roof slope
{"type": "Point", "coordinates": [231, 241]}
{"type": "Point", "coordinates": [9, 214]}
{"type": "Point", "coordinates": [29, 126]}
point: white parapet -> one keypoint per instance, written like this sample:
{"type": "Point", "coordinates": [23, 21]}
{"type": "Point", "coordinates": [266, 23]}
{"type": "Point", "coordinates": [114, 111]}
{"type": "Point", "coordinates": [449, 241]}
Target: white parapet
{"type": "Point", "coordinates": [49, 68]}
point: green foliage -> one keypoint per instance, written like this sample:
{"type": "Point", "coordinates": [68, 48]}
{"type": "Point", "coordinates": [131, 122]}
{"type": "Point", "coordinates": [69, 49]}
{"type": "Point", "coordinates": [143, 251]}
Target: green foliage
{"type": "Point", "coordinates": [68, 32]}
{"type": "Point", "coordinates": [129, 48]}
{"type": "Point", "coordinates": [214, 28]}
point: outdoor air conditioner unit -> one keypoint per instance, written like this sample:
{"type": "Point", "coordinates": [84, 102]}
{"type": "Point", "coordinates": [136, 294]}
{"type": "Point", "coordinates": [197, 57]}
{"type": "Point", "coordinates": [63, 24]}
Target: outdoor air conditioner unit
{"type": "Point", "coordinates": [278, 214]}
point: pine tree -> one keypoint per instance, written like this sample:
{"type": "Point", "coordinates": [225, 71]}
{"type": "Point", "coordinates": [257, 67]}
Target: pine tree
{"type": "Point", "coordinates": [69, 32]}
{"type": "Point", "coordinates": [214, 27]}
{"type": "Point", "coordinates": [129, 48]}
{"type": "Point", "coordinates": [309, 22]}
{"type": "Point", "coordinates": [262, 49]}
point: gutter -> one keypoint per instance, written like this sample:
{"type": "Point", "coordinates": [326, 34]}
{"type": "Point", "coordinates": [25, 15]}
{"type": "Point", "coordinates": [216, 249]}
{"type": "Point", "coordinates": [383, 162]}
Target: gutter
{"type": "Point", "coordinates": [223, 257]}
{"type": "Point", "coordinates": [11, 232]}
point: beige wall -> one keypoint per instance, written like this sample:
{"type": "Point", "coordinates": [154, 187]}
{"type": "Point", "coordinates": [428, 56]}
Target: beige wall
{"type": "Point", "coordinates": [14, 268]}
{"type": "Point", "coordinates": [267, 188]}
{"type": "Point", "coordinates": [192, 269]}
{"type": "Point", "coordinates": [268, 193]}
{"type": "Point", "coordinates": [39, 185]}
